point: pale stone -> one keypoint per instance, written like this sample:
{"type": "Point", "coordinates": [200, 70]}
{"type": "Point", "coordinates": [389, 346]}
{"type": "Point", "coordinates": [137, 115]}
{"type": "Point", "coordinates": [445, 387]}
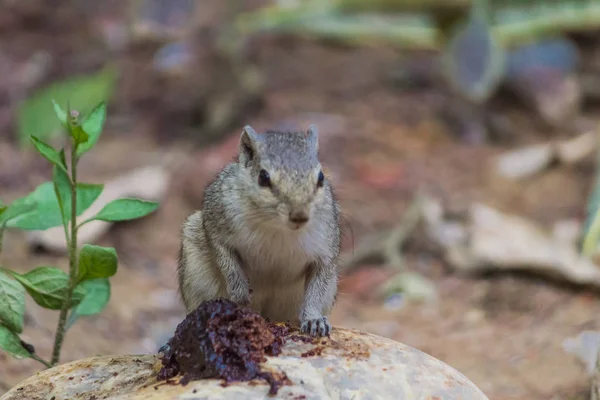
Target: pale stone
{"type": "Point", "coordinates": [351, 365]}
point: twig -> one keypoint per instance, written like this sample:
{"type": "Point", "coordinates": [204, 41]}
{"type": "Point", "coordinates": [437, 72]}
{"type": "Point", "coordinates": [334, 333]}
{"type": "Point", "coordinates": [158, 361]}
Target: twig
{"type": "Point", "coordinates": [388, 245]}
{"type": "Point", "coordinates": [392, 249]}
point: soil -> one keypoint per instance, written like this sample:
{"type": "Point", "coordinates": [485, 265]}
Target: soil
{"type": "Point", "coordinates": [379, 144]}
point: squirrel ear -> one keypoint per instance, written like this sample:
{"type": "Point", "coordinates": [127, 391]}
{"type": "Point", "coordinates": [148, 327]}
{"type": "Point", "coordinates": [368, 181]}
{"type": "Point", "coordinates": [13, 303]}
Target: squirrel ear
{"type": "Point", "coordinates": [248, 142]}
{"type": "Point", "coordinates": [249, 132]}
{"type": "Point", "coordinates": [313, 136]}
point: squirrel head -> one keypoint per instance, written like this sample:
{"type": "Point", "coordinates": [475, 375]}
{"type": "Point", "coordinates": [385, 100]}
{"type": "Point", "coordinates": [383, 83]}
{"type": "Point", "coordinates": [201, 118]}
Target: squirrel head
{"type": "Point", "coordinates": [282, 175]}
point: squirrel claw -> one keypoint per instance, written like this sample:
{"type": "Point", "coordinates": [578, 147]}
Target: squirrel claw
{"type": "Point", "coordinates": [316, 327]}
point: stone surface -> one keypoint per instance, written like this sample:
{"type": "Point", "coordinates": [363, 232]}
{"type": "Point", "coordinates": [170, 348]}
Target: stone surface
{"type": "Point", "coordinates": [349, 365]}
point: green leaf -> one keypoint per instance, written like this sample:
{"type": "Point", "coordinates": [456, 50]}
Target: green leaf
{"type": "Point", "coordinates": [74, 127]}
{"type": "Point", "coordinates": [48, 287]}
{"type": "Point", "coordinates": [60, 113]}
{"type": "Point", "coordinates": [473, 59]}
{"type": "Point", "coordinates": [12, 303]}
{"type": "Point", "coordinates": [10, 342]}
{"type": "Point", "coordinates": [96, 262]}
{"type": "Point", "coordinates": [93, 125]}
{"type": "Point", "coordinates": [14, 211]}
{"type": "Point", "coordinates": [87, 193]}
{"type": "Point", "coordinates": [38, 117]}
{"type": "Point", "coordinates": [48, 152]}
{"type": "Point", "coordinates": [97, 296]}
{"type": "Point", "coordinates": [61, 153]}
{"type": "Point", "coordinates": [126, 209]}
{"type": "Point", "coordinates": [78, 135]}
{"type": "Point", "coordinates": [47, 213]}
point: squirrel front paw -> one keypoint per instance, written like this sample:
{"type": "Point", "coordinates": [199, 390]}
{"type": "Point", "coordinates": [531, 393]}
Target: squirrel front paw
{"type": "Point", "coordinates": [316, 327]}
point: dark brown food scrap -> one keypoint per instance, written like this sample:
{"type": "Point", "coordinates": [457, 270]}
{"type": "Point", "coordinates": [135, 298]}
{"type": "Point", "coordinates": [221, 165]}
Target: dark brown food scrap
{"type": "Point", "coordinates": [317, 351]}
{"type": "Point", "coordinates": [303, 339]}
{"type": "Point", "coordinates": [281, 331]}
{"type": "Point", "coordinates": [222, 340]}
{"type": "Point", "coordinates": [350, 349]}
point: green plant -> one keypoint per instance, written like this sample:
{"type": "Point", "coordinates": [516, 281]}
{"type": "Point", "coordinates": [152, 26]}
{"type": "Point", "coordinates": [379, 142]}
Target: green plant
{"type": "Point", "coordinates": [85, 290]}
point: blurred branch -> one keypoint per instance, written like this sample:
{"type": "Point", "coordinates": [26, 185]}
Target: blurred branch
{"type": "Point", "coordinates": [512, 25]}
{"type": "Point", "coordinates": [518, 25]}
{"type": "Point", "coordinates": [387, 245]}
{"type": "Point", "coordinates": [403, 5]}
{"type": "Point", "coordinates": [406, 31]}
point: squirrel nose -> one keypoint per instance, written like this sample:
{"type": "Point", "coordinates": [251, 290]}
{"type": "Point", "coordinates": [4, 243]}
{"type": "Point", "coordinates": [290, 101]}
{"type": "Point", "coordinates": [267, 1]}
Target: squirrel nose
{"type": "Point", "coordinates": [299, 216]}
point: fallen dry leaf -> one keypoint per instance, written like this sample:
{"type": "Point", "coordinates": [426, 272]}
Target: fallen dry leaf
{"type": "Point", "coordinates": [525, 162]}
{"type": "Point", "coordinates": [488, 239]}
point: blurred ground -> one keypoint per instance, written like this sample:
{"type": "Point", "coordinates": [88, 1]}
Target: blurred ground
{"type": "Point", "coordinates": [379, 145]}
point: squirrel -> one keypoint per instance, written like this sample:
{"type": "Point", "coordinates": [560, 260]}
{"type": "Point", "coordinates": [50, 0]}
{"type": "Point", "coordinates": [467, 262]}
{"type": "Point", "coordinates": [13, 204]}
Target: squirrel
{"type": "Point", "coordinates": [268, 233]}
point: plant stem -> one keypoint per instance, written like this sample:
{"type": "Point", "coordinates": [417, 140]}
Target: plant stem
{"type": "Point", "coordinates": [60, 331]}
{"type": "Point", "coordinates": [41, 360]}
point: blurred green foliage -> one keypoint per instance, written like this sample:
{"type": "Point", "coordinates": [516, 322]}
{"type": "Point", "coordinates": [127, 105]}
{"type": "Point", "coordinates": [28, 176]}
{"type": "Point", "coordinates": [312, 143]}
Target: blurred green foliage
{"type": "Point", "coordinates": [37, 116]}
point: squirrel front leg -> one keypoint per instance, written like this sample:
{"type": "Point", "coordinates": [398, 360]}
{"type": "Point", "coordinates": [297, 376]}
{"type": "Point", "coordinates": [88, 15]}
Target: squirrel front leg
{"type": "Point", "coordinates": [238, 287]}
{"type": "Point", "coordinates": [319, 296]}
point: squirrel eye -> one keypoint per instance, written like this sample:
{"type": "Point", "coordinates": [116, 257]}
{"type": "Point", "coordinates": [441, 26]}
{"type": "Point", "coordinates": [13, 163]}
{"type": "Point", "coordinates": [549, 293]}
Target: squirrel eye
{"type": "Point", "coordinates": [320, 179]}
{"type": "Point", "coordinates": [264, 180]}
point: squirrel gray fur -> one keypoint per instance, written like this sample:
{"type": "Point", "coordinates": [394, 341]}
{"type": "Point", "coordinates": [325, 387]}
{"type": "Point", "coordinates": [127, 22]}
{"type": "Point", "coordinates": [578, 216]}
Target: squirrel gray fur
{"type": "Point", "coordinates": [268, 233]}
